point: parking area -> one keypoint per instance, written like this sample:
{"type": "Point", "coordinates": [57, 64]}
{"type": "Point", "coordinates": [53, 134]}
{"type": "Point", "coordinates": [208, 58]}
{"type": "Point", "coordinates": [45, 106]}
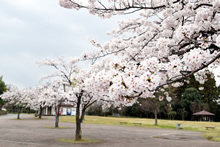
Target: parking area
{"type": "Point", "coordinates": [31, 132]}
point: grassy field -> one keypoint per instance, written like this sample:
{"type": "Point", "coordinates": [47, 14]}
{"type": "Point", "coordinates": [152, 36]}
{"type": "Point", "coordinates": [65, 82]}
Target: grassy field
{"type": "Point", "coordinates": [210, 134]}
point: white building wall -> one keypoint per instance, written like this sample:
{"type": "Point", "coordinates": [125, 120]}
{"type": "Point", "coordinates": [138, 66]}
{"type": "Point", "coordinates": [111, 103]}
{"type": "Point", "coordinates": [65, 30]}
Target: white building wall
{"type": "Point", "coordinates": [46, 111]}
{"type": "Point", "coordinates": [64, 110]}
{"type": "Point", "coordinates": [53, 112]}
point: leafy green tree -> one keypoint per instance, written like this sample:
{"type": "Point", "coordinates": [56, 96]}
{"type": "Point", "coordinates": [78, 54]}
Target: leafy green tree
{"type": "Point", "coordinates": [193, 83]}
{"type": "Point", "coordinates": [182, 112]}
{"type": "Point", "coordinates": [210, 93]}
{"type": "Point", "coordinates": [3, 88]}
{"type": "Point", "coordinates": [190, 96]}
{"type": "Point", "coordinates": [217, 114]}
{"type": "Point", "coordinates": [171, 114]}
{"type": "Point", "coordinates": [134, 110]}
{"type": "Point", "coordinates": [198, 106]}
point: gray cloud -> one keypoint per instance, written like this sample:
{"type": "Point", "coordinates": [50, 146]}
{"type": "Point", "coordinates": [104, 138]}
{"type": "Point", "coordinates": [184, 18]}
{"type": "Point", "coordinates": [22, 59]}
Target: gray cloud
{"type": "Point", "coordinates": [31, 30]}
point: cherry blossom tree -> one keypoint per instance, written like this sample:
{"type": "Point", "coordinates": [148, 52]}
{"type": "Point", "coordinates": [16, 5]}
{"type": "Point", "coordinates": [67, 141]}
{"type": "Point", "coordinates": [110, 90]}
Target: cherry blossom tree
{"type": "Point", "coordinates": [53, 95]}
{"type": "Point", "coordinates": [16, 97]}
{"type": "Point", "coordinates": [50, 94]}
{"type": "Point", "coordinates": [76, 90]}
{"type": "Point", "coordinates": [36, 99]}
{"type": "Point", "coordinates": [31, 96]}
{"type": "Point", "coordinates": [168, 41]}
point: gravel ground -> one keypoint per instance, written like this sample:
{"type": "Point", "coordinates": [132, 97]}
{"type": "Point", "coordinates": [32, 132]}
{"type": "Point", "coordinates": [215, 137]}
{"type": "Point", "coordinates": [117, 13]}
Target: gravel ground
{"type": "Point", "coordinates": [31, 132]}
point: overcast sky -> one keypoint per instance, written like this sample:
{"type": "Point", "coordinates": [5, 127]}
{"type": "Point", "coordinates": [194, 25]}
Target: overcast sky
{"type": "Point", "coordinates": [31, 30]}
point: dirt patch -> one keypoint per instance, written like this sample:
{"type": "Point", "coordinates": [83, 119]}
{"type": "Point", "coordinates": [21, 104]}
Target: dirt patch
{"type": "Point", "coordinates": [179, 137]}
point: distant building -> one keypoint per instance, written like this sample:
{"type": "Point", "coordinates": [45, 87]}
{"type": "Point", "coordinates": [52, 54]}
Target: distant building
{"type": "Point", "coordinates": [65, 109]}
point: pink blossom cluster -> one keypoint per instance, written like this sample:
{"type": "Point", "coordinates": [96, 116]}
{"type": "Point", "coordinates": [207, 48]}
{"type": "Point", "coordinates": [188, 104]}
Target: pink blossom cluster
{"type": "Point", "coordinates": [167, 42]}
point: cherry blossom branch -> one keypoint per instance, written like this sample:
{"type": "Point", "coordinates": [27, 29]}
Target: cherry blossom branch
{"type": "Point", "coordinates": [178, 78]}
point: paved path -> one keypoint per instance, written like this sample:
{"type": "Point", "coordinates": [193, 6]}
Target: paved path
{"type": "Point", "coordinates": [31, 132]}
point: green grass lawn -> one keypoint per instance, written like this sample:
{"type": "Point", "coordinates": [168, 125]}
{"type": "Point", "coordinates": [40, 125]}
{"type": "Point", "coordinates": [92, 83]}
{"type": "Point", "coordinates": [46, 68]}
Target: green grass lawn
{"type": "Point", "coordinates": [209, 134]}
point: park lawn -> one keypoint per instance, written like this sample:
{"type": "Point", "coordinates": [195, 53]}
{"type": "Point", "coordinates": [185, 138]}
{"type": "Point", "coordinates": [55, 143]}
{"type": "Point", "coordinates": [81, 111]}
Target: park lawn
{"type": "Point", "coordinates": [210, 134]}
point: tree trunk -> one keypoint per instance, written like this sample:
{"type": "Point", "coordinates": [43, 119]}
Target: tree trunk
{"type": "Point", "coordinates": [40, 114]}
{"type": "Point", "coordinates": [78, 135]}
{"type": "Point", "coordinates": [182, 116]}
{"type": "Point", "coordinates": [82, 115]}
{"type": "Point", "coordinates": [155, 116]}
{"type": "Point", "coordinates": [19, 111]}
{"type": "Point", "coordinates": [18, 116]}
{"type": "Point", "coordinates": [57, 116]}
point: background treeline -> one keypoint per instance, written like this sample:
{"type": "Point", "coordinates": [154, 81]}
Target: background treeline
{"type": "Point", "coordinates": [3, 88]}
{"type": "Point", "coordinates": [186, 100]}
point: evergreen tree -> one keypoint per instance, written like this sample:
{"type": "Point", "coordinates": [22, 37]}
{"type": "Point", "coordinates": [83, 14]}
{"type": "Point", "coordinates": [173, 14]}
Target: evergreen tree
{"type": "Point", "coordinates": [3, 88]}
{"type": "Point", "coordinates": [189, 97]}
{"type": "Point", "coordinates": [210, 93]}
